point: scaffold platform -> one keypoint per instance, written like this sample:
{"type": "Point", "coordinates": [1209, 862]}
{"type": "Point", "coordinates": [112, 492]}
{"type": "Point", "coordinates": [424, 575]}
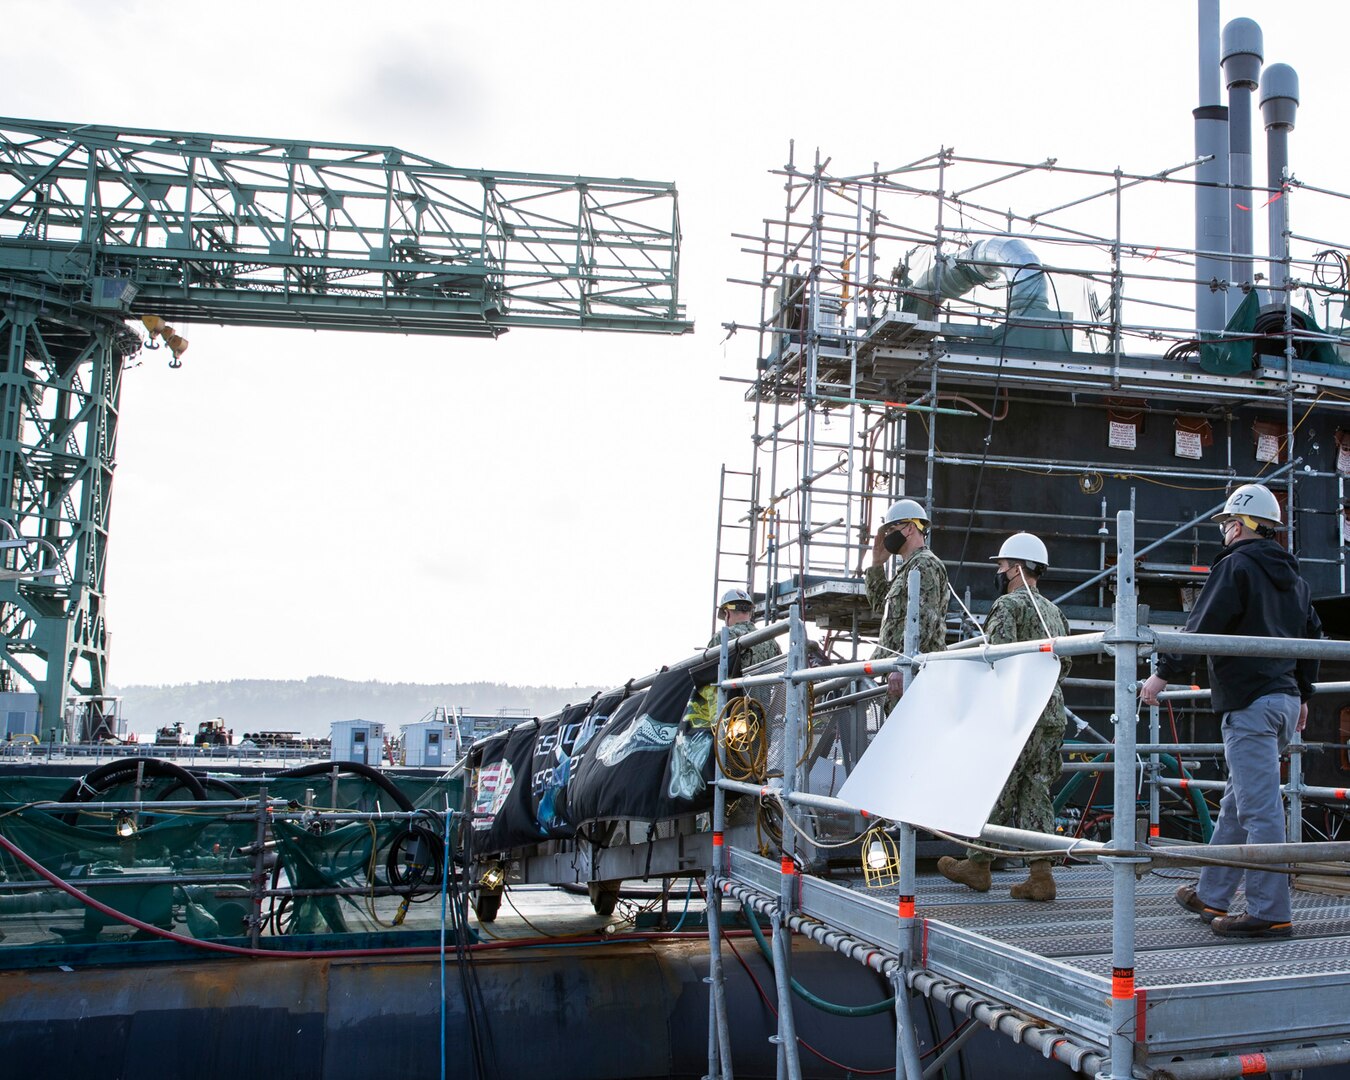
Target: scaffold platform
{"type": "Point", "coordinates": [1196, 994]}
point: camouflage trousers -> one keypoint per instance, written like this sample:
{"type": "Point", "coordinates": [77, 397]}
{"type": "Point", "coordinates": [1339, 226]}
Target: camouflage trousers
{"type": "Point", "coordinates": [1024, 802]}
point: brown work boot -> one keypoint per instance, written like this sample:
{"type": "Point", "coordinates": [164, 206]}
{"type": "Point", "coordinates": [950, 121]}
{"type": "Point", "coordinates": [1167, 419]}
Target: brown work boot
{"type": "Point", "coordinates": [968, 872]}
{"type": "Point", "coordinates": [1039, 886]}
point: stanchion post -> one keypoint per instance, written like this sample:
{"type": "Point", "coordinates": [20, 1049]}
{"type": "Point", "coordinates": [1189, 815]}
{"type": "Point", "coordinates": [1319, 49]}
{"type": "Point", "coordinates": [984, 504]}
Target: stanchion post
{"type": "Point", "coordinates": [259, 868]}
{"type": "Point", "coordinates": [1155, 770]}
{"type": "Point", "coordinates": [1295, 789]}
{"type": "Point", "coordinates": [794, 722]}
{"type": "Point", "coordinates": [907, 1062]}
{"type": "Point", "coordinates": [1125, 638]}
{"type": "Point", "coordinates": [719, 1030]}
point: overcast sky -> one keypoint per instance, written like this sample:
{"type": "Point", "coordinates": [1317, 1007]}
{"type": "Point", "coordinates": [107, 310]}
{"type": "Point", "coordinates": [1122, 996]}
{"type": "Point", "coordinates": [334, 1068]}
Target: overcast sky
{"type": "Point", "coordinates": [541, 509]}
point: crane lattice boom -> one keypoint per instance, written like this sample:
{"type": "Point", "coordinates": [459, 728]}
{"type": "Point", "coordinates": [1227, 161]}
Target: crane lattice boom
{"type": "Point", "coordinates": [302, 234]}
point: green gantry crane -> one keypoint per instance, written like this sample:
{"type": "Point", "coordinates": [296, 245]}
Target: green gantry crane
{"type": "Point", "coordinates": [99, 225]}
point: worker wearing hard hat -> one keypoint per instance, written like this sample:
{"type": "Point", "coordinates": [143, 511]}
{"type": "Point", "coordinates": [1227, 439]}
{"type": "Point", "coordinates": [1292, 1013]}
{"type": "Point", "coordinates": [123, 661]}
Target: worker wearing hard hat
{"type": "Point", "coordinates": [1021, 613]}
{"type": "Point", "coordinates": [1253, 589]}
{"type": "Point", "coordinates": [904, 533]}
{"type": "Point", "coordinates": [736, 608]}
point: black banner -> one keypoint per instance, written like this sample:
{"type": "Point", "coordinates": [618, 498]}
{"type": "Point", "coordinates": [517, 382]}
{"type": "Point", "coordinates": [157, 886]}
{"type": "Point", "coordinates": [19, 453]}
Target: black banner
{"type": "Point", "coordinates": [553, 748]}
{"type": "Point", "coordinates": [649, 762]}
{"type": "Point", "coordinates": [504, 792]}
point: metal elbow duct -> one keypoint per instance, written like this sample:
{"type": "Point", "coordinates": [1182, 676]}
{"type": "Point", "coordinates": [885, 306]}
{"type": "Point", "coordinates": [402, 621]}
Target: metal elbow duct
{"type": "Point", "coordinates": [983, 263]}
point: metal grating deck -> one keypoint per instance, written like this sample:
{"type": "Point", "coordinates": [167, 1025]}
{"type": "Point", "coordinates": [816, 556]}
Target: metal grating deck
{"type": "Point", "coordinates": [1172, 946]}
{"type": "Point", "coordinates": [1196, 992]}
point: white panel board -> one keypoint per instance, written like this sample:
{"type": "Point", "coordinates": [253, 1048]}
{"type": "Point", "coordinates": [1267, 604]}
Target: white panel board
{"type": "Point", "coordinates": [949, 745]}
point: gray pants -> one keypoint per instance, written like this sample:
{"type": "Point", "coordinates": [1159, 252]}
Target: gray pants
{"type": "Point", "coordinates": [1252, 810]}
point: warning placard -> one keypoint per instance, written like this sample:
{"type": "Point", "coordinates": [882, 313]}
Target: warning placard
{"type": "Point", "coordinates": [1121, 436]}
{"type": "Point", "coordinates": [1189, 445]}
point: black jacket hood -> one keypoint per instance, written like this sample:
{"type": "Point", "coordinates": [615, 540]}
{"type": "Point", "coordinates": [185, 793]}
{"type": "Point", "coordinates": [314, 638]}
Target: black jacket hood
{"type": "Point", "coordinates": [1276, 563]}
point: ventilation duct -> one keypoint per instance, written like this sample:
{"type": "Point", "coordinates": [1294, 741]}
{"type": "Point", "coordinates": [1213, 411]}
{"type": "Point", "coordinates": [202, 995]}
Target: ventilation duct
{"type": "Point", "coordinates": [984, 263]}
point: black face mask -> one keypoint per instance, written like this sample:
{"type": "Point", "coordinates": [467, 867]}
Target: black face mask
{"type": "Point", "coordinates": [894, 541]}
{"type": "Point", "coordinates": [1000, 583]}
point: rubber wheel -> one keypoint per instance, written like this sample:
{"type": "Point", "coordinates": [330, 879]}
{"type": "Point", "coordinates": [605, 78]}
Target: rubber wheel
{"type": "Point", "coordinates": [486, 905]}
{"type": "Point", "coordinates": [604, 896]}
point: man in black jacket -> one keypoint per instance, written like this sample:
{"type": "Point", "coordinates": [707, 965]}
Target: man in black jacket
{"type": "Point", "coordinates": [1254, 589]}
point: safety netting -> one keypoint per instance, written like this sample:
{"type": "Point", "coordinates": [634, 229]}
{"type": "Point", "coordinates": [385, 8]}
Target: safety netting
{"type": "Point", "coordinates": [137, 850]}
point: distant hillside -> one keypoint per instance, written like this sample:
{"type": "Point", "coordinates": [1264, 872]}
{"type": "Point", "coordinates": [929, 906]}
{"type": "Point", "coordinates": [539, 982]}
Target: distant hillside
{"type": "Point", "coordinates": [309, 706]}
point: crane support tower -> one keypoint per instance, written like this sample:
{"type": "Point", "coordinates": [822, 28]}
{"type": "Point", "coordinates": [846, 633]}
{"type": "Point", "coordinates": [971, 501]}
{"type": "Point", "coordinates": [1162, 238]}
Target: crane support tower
{"type": "Point", "coordinates": [101, 224]}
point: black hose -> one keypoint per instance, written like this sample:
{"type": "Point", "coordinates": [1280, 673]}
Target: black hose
{"type": "Point", "coordinates": [414, 863]}
{"type": "Point", "coordinates": [124, 770]}
{"type": "Point", "coordinates": [320, 768]}
{"type": "Point", "coordinates": [208, 782]}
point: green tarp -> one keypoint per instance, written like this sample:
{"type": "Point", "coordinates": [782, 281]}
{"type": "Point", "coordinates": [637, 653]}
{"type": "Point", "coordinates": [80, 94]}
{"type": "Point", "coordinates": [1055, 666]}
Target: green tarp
{"type": "Point", "coordinates": [1233, 352]}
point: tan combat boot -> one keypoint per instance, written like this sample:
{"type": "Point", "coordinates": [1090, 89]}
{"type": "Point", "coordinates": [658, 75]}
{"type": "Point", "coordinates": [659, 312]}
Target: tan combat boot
{"type": "Point", "coordinates": [1039, 886]}
{"type": "Point", "coordinates": [974, 875]}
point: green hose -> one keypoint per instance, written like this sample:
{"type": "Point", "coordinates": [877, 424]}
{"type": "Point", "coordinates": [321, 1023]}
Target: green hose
{"type": "Point", "coordinates": [1197, 797]}
{"type": "Point", "coordinates": [805, 994]}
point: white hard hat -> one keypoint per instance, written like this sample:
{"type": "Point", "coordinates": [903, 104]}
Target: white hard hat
{"type": "Point", "coordinates": [735, 596]}
{"type": "Point", "coordinates": [1251, 501]}
{"type": "Point", "coordinates": [906, 510]}
{"type": "Point", "coordinates": [1025, 548]}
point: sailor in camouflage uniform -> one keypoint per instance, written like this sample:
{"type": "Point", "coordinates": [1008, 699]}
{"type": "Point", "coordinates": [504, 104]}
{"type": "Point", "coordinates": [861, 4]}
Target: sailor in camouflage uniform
{"type": "Point", "coordinates": [904, 533]}
{"type": "Point", "coordinates": [736, 608]}
{"type": "Point", "coordinates": [1021, 614]}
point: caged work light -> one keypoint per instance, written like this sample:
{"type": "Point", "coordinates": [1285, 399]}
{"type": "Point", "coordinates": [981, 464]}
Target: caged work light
{"type": "Point", "coordinates": [880, 858]}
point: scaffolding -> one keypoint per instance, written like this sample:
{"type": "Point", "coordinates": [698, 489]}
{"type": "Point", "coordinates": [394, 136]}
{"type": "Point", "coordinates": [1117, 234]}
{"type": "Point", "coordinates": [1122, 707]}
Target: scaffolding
{"type": "Point", "coordinates": [914, 339]}
{"type": "Point", "coordinates": [1153, 997]}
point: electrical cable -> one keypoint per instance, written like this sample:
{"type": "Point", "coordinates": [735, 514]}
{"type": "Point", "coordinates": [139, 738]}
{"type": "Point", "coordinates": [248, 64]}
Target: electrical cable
{"type": "Point", "coordinates": [773, 1009]}
{"type": "Point", "coordinates": [475, 1008]}
{"type": "Point", "coordinates": [821, 843]}
{"type": "Point", "coordinates": [768, 829]}
{"type": "Point", "coordinates": [688, 891]}
{"type": "Point", "coordinates": [369, 896]}
{"type": "Point", "coordinates": [1007, 404]}
{"type": "Point", "coordinates": [506, 895]}
{"type": "Point", "coordinates": [1329, 282]}
{"type": "Point", "coordinates": [742, 740]}
{"type": "Point", "coordinates": [1082, 821]}
{"type": "Point", "coordinates": [772, 1006]}
{"type": "Point", "coordinates": [810, 724]}
{"type": "Point", "coordinates": [414, 862]}
{"type": "Point", "coordinates": [1000, 852]}
{"type": "Point", "coordinates": [806, 995]}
